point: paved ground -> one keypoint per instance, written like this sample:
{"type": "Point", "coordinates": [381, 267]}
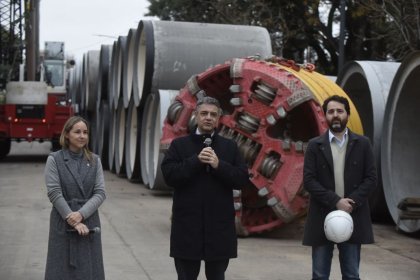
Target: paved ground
{"type": "Point", "coordinates": [135, 234]}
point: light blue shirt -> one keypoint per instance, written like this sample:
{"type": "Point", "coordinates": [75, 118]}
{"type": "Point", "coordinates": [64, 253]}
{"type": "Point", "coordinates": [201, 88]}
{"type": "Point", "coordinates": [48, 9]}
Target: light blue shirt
{"type": "Point", "coordinates": [338, 141]}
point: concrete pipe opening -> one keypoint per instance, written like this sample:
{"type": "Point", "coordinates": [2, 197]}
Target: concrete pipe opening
{"type": "Point", "coordinates": [367, 83]}
{"type": "Point", "coordinates": [121, 48]}
{"type": "Point", "coordinates": [76, 97]}
{"type": "Point", "coordinates": [83, 83]}
{"type": "Point", "coordinates": [400, 150]}
{"type": "Point", "coordinates": [112, 68]}
{"type": "Point", "coordinates": [132, 144]}
{"type": "Point", "coordinates": [103, 129]}
{"type": "Point", "coordinates": [111, 139]}
{"type": "Point", "coordinates": [143, 57]}
{"type": "Point", "coordinates": [119, 157]}
{"type": "Point", "coordinates": [162, 103]}
{"type": "Point", "coordinates": [92, 67]}
{"type": "Point", "coordinates": [103, 74]}
{"type": "Point", "coordinates": [128, 67]}
{"type": "Point", "coordinates": [149, 114]}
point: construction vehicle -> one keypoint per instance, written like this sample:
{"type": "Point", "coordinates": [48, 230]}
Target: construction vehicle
{"type": "Point", "coordinates": [33, 104]}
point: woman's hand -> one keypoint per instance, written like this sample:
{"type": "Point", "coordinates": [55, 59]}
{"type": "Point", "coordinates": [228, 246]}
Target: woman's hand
{"type": "Point", "coordinates": [74, 218]}
{"type": "Point", "coordinates": [82, 229]}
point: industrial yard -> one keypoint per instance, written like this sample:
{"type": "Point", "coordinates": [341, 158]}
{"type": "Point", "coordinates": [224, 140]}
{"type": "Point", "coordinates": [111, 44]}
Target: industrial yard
{"type": "Point", "coordinates": [135, 234]}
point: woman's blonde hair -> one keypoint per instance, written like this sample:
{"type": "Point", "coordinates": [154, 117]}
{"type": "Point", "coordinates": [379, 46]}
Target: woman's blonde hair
{"type": "Point", "coordinates": [64, 142]}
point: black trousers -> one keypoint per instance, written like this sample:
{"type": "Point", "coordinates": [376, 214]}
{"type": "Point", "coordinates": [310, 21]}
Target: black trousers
{"type": "Point", "coordinates": [189, 269]}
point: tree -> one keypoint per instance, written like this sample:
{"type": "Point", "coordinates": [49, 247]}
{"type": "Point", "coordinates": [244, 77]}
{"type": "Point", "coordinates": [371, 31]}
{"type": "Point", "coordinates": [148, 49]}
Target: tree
{"type": "Point", "coordinates": [307, 30]}
{"type": "Point", "coordinates": [400, 26]}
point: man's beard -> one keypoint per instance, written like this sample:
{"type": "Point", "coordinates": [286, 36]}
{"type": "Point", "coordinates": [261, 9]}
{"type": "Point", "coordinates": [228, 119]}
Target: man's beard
{"type": "Point", "coordinates": [338, 127]}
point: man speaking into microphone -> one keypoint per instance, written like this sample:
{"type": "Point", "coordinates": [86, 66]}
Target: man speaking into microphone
{"type": "Point", "coordinates": [203, 168]}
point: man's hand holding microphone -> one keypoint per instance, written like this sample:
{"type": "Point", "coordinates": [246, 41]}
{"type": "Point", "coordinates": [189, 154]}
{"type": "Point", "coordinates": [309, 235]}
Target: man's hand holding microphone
{"type": "Point", "coordinates": [208, 156]}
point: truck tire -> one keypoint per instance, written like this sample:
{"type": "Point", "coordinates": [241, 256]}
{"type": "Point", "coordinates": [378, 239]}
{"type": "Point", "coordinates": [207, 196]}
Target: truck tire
{"type": "Point", "coordinates": [5, 144]}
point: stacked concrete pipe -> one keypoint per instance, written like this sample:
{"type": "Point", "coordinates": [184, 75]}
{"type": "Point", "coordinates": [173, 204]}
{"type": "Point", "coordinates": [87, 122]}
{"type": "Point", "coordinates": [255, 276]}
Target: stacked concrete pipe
{"type": "Point", "coordinates": [165, 55]}
{"type": "Point", "coordinates": [102, 107]}
{"type": "Point", "coordinates": [117, 72]}
{"type": "Point", "coordinates": [156, 55]}
{"type": "Point", "coordinates": [111, 106]}
{"type": "Point", "coordinates": [367, 83]}
{"type": "Point", "coordinates": [400, 151]}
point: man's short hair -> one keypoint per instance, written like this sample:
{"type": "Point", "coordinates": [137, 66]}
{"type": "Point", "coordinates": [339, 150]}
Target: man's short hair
{"type": "Point", "coordinates": [339, 99]}
{"type": "Point", "coordinates": [208, 100]}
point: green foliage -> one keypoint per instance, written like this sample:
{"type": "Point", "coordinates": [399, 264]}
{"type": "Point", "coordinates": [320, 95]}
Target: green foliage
{"type": "Point", "coordinates": [307, 30]}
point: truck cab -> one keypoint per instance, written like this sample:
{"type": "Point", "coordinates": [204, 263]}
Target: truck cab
{"type": "Point", "coordinates": [37, 110]}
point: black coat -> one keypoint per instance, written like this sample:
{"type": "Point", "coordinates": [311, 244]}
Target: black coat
{"type": "Point", "coordinates": [203, 215]}
{"type": "Point", "coordinates": [359, 181]}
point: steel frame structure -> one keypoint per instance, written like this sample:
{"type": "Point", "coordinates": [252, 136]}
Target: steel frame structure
{"type": "Point", "coordinates": [11, 40]}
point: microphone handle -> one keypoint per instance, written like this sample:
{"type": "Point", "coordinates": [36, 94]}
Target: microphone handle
{"type": "Point", "coordinates": [91, 230]}
{"type": "Point", "coordinates": [207, 165]}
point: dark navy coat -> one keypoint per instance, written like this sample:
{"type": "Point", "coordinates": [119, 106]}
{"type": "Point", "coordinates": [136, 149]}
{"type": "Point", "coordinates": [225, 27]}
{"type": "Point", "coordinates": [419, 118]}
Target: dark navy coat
{"type": "Point", "coordinates": [359, 180]}
{"type": "Point", "coordinates": [203, 215]}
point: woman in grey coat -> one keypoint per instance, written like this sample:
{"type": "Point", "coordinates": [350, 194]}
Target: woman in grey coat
{"type": "Point", "coordinates": [75, 186]}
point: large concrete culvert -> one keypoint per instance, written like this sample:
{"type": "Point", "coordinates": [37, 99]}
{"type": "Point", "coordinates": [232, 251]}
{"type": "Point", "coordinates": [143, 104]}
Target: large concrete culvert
{"type": "Point", "coordinates": [400, 151]}
{"type": "Point", "coordinates": [271, 110]}
{"type": "Point", "coordinates": [367, 83]}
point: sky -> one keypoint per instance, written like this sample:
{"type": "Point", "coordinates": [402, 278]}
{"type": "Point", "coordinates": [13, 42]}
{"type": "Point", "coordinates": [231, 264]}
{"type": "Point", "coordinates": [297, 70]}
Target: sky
{"type": "Point", "coordinates": [85, 25]}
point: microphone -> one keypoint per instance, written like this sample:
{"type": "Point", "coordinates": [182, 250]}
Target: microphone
{"type": "Point", "coordinates": [91, 230]}
{"type": "Point", "coordinates": [207, 142]}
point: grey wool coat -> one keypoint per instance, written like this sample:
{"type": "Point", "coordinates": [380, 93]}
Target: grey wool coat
{"type": "Point", "coordinates": [74, 184]}
{"type": "Point", "coordinates": [359, 181]}
{"type": "Point", "coordinates": [203, 215]}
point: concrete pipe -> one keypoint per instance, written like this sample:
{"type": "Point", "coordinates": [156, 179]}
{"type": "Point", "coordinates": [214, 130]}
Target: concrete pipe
{"type": "Point", "coordinates": [74, 87]}
{"type": "Point", "coordinates": [144, 57]}
{"type": "Point", "coordinates": [271, 109]}
{"type": "Point", "coordinates": [118, 66]}
{"type": "Point", "coordinates": [400, 152]}
{"type": "Point", "coordinates": [168, 52]}
{"type": "Point", "coordinates": [132, 144]}
{"type": "Point", "coordinates": [91, 66]}
{"type": "Point", "coordinates": [111, 138]}
{"type": "Point", "coordinates": [101, 86]}
{"type": "Point", "coordinates": [72, 84]}
{"type": "Point", "coordinates": [154, 119]}
{"type": "Point", "coordinates": [77, 97]}
{"type": "Point", "coordinates": [103, 75]}
{"type": "Point", "coordinates": [83, 83]}
{"type": "Point", "coordinates": [149, 113]}
{"type": "Point", "coordinates": [128, 67]}
{"type": "Point", "coordinates": [120, 126]}
{"type": "Point", "coordinates": [367, 83]}
{"type": "Point", "coordinates": [112, 68]}
{"type": "Point", "coordinates": [103, 133]}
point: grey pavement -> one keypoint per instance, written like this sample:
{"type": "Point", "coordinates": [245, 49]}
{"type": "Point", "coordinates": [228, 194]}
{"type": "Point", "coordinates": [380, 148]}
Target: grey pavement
{"type": "Point", "coordinates": [136, 228]}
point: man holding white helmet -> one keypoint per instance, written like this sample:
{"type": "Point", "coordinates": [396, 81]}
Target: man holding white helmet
{"type": "Point", "coordinates": [339, 174]}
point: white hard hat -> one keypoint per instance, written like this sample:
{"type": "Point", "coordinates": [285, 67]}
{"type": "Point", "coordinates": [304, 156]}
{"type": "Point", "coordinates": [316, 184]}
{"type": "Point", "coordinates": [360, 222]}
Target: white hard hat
{"type": "Point", "coordinates": [338, 226]}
